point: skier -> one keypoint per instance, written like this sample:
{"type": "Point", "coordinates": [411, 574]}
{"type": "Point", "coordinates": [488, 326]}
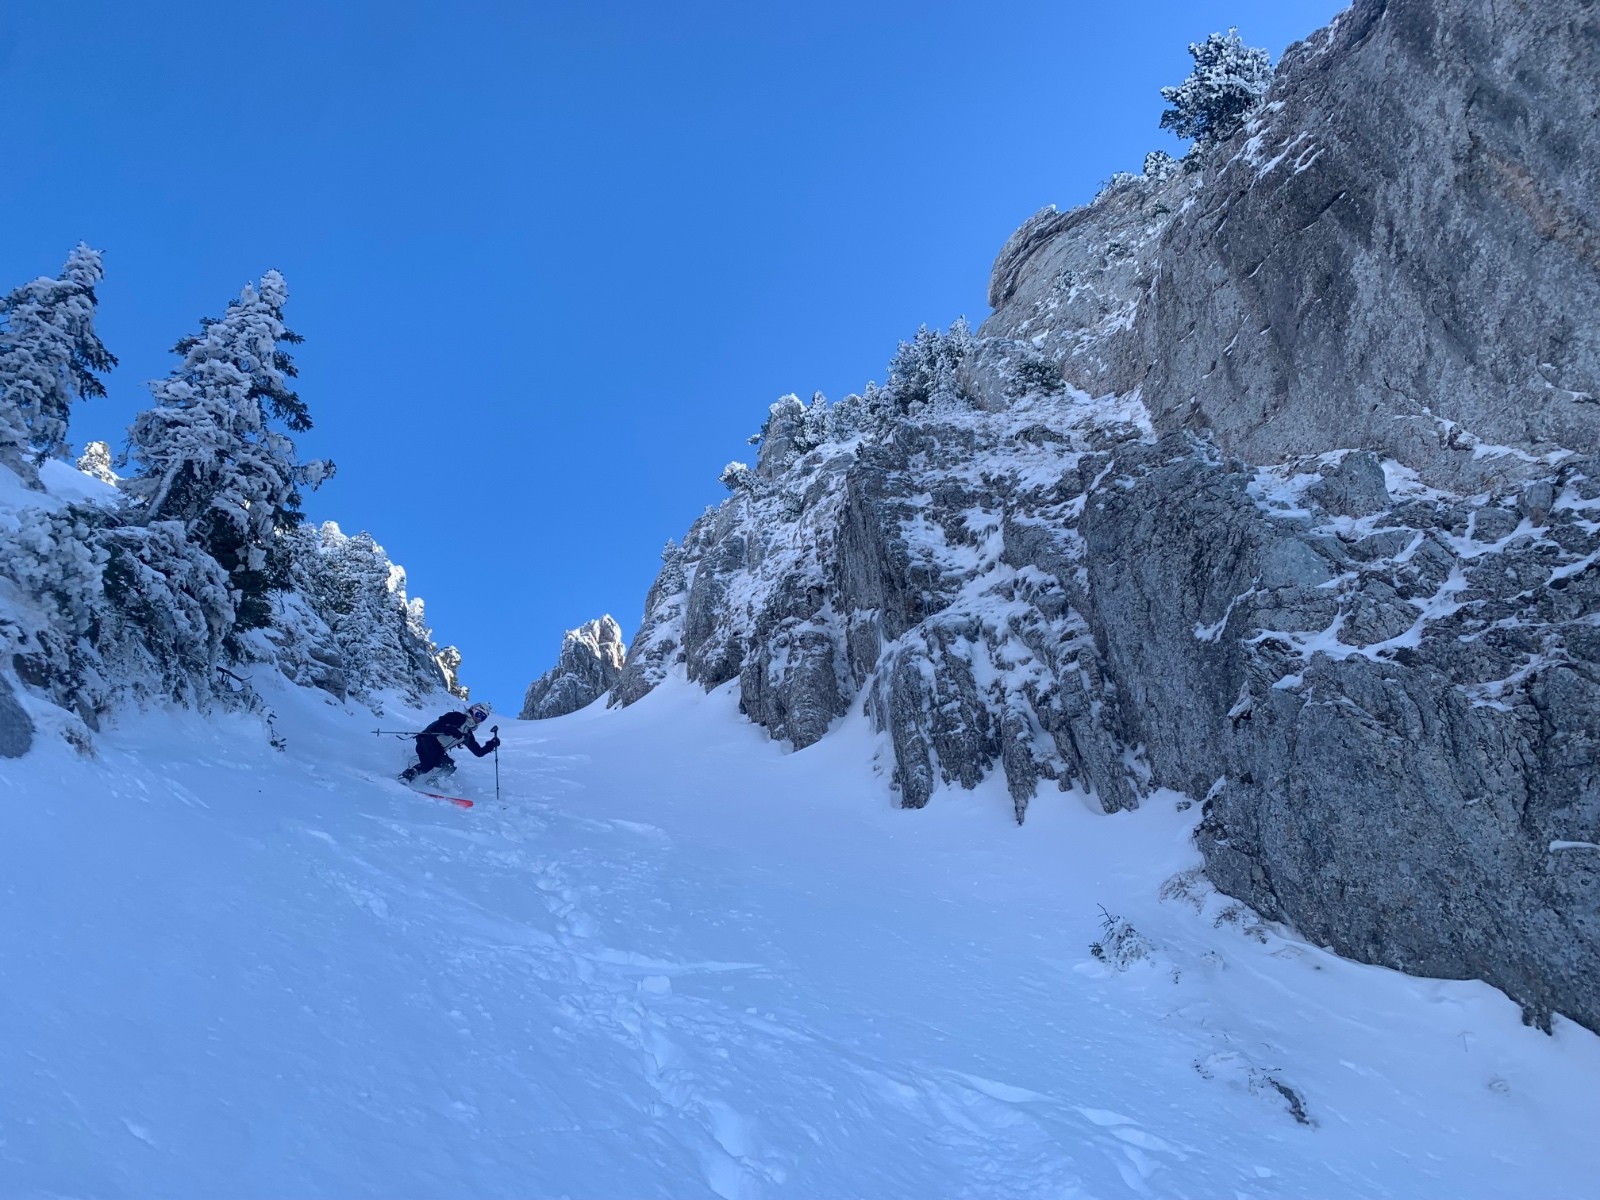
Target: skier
{"type": "Point", "coordinates": [449, 731]}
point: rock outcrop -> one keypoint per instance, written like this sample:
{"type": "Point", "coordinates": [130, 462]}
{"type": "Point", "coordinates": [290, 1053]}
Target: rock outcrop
{"type": "Point", "coordinates": [1274, 483]}
{"type": "Point", "coordinates": [16, 728]}
{"type": "Point", "coordinates": [1401, 253]}
{"type": "Point", "coordinates": [588, 667]}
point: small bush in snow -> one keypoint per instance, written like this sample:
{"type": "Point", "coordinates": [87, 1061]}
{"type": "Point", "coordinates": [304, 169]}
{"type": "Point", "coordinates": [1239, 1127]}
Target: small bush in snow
{"type": "Point", "coordinates": [1037, 375]}
{"type": "Point", "coordinates": [737, 477]}
{"type": "Point", "coordinates": [1228, 80]}
{"type": "Point", "coordinates": [1120, 944]}
{"type": "Point", "coordinates": [1159, 166]}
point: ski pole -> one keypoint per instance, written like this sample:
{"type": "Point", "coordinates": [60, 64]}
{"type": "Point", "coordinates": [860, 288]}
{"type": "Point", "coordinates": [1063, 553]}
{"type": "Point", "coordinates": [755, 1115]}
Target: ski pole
{"type": "Point", "coordinates": [494, 731]}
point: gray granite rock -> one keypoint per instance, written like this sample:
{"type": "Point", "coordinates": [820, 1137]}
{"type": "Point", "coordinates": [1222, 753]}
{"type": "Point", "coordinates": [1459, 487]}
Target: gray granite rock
{"type": "Point", "coordinates": [1275, 484]}
{"type": "Point", "coordinates": [1401, 253]}
{"type": "Point", "coordinates": [1354, 488]}
{"type": "Point", "coordinates": [16, 729]}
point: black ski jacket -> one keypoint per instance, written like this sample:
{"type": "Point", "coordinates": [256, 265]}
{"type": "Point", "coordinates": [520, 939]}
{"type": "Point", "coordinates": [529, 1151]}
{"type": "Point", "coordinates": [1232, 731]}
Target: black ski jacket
{"type": "Point", "coordinates": [451, 731]}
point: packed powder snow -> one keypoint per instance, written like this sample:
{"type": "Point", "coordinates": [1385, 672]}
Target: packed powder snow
{"type": "Point", "coordinates": [674, 960]}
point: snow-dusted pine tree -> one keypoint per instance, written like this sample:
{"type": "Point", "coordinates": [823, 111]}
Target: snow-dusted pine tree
{"type": "Point", "coordinates": [209, 456]}
{"type": "Point", "coordinates": [1228, 80]}
{"type": "Point", "coordinates": [50, 356]}
{"type": "Point", "coordinates": [923, 370]}
{"type": "Point", "coordinates": [865, 414]}
{"type": "Point", "coordinates": [95, 610]}
{"type": "Point", "coordinates": [170, 611]}
{"type": "Point", "coordinates": [361, 595]}
{"type": "Point", "coordinates": [95, 461]}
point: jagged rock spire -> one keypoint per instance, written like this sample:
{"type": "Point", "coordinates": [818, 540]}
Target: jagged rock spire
{"type": "Point", "coordinates": [590, 662]}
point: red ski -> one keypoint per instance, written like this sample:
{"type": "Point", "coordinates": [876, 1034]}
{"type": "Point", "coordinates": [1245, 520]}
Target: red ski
{"type": "Point", "coordinates": [458, 801]}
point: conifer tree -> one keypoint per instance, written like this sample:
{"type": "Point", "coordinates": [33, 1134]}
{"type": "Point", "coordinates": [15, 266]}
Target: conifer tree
{"type": "Point", "coordinates": [924, 370]}
{"type": "Point", "coordinates": [50, 356]}
{"type": "Point", "coordinates": [1228, 80]}
{"type": "Point", "coordinates": [361, 595]}
{"type": "Point", "coordinates": [95, 461]}
{"type": "Point", "coordinates": [209, 454]}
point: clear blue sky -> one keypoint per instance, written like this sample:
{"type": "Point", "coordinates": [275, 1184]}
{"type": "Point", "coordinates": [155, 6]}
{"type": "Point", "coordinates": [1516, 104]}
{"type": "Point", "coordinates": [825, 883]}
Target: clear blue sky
{"type": "Point", "coordinates": [552, 260]}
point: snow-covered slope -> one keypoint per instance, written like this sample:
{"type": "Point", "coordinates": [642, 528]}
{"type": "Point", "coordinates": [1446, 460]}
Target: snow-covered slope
{"type": "Point", "coordinates": [675, 960]}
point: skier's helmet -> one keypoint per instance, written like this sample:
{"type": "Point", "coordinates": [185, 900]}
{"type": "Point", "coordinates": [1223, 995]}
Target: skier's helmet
{"type": "Point", "coordinates": [479, 713]}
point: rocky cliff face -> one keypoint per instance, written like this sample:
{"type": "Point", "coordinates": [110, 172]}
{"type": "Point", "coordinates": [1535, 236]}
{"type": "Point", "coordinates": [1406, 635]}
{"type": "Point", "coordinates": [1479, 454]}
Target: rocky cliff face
{"type": "Point", "coordinates": [1300, 518]}
{"type": "Point", "coordinates": [588, 667]}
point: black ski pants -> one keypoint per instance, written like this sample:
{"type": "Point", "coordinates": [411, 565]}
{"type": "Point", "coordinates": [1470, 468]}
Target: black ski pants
{"type": "Point", "coordinates": [430, 755]}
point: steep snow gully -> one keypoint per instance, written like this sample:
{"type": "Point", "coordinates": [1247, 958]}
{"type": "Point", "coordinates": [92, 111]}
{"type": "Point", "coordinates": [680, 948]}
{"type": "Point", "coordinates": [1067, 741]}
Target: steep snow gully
{"type": "Point", "coordinates": [730, 972]}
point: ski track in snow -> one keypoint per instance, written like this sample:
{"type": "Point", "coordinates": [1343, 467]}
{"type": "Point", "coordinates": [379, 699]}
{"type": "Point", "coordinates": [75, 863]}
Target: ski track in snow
{"type": "Point", "coordinates": [676, 961]}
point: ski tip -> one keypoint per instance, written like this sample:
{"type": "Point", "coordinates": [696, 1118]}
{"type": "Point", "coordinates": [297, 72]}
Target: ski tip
{"type": "Point", "coordinates": [458, 801]}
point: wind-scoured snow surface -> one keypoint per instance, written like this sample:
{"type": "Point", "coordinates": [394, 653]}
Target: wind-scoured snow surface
{"type": "Point", "coordinates": [677, 961]}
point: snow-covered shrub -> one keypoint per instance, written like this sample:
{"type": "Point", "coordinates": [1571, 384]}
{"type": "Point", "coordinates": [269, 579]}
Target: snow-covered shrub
{"type": "Point", "coordinates": [845, 418]}
{"type": "Point", "coordinates": [169, 609]}
{"type": "Point", "coordinates": [814, 426]}
{"type": "Point", "coordinates": [924, 371]}
{"type": "Point", "coordinates": [1120, 944]}
{"type": "Point", "coordinates": [50, 356]}
{"type": "Point", "coordinates": [1159, 166]}
{"type": "Point", "coordinates": [737, 477]}
{"type": "Point", "coordinates": [866, 415]}
{"type": "Point", "coordinates": [1228, 80]}
{"type": "Point", "coordinates": [95, 461]}
{"type": "Point", "coordinates": [209, 456]}
{"type": "Point", "coordinates": [99, 610]}
{"type": "Point", "coordinates": [51, 596]}
{"type": "Point", "coordinates": [52, 559]}
{"type": "Point", "coordinates": [1034, 374]}
{"type": "Point", "coordinates": [360, 596]}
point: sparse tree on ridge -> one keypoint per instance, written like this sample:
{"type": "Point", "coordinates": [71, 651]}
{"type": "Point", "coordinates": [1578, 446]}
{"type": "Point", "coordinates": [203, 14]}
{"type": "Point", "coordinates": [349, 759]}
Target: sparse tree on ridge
{"type": "Point", "coordinates": [95, 461]}
{"type": "Point", "coordinates": [924, 370]}
{"type": "Point", "coordinates": [50, 356]}
{"type": "Point", "coordinates": [1228, 80]}
{"type": "Point", "coordinates": [208, 454]}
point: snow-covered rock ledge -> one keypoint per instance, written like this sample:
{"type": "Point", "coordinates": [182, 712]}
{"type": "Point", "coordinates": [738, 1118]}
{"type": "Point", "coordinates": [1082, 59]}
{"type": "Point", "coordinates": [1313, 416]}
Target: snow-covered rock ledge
{"type": "Point", "coordinates": [1070, 548]}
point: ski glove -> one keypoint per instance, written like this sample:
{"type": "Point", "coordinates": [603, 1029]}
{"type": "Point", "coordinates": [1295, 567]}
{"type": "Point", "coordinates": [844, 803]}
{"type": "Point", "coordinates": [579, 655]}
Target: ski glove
{"type": "Point", "coordinates": [494, 744]}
